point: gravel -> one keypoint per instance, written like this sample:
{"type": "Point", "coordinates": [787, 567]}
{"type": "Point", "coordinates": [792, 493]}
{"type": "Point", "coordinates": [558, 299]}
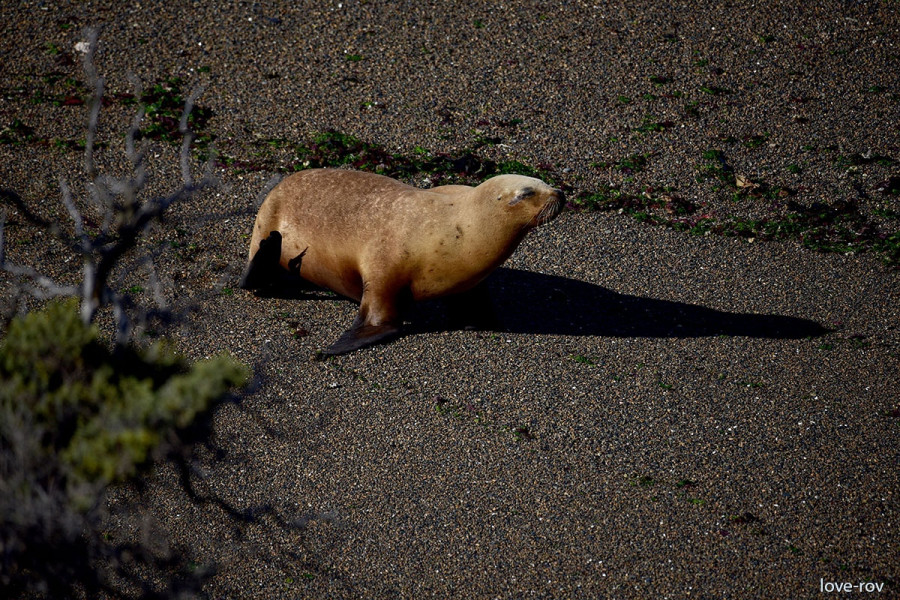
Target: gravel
{"type": "Point", "coordinates": [658, 415]}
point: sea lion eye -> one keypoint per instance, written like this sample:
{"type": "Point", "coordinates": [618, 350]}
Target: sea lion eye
{"type": "Point", "coordinates": [521, 195]}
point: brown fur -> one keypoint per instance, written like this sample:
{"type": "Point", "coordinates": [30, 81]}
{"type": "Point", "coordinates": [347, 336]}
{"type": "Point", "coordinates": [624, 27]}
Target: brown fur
{"type": "Point", "coordinates": [373, 239]}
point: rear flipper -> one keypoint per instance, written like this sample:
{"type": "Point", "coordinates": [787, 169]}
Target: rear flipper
{"type": "Point", "coordinates": [361, 335]}
{"type": "Point", "coordinates": [264, 268]}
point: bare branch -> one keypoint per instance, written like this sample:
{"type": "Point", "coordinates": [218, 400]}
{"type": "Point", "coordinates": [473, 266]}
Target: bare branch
{"type": "Point", "coordinates": [156, 285]}
{"type": "Point", "coordinates": [187, 136]}
{"type": "Point", "coordinates": [50, 290]}
{"type": "Point", "coordinates": [270, 185]}
{"type": "Point", "coordinates": [96, 82]}
{"type": "Point", "coordinates": [136, 183]}
{"type": "Point", "coordinates": [104, 202]}
{"type": "Point", "coordinates": [123, 323]}
{"type": "Point", "coordinates": [186, 159]}
{"type": "Point", "coordinates": [46, 287]}
{"type": "Point", "coordinates": [135, 157]}
{"type": "Point", "coordinates": [125, 217]}
{"type": "Point", "coordinates": [2, 240]}
{"type": "Point", "coordinates": [77, 220]}
{"type": "Point", "coordinates": [189, 106]}
{"type": "Point", "coordinates": [31, 217]}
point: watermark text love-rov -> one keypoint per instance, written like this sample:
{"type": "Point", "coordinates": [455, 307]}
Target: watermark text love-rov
{"type": "Point", "coordinates": [847, 586]}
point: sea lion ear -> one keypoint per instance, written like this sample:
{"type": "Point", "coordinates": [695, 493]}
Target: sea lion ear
{"type": "Point", "coordinates": [521, 195]}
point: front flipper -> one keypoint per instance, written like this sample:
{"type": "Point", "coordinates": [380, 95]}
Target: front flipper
{"type": "Point", "coordinates": [378, 319]}
{"type": "Point", "coordinates": [361, 335]}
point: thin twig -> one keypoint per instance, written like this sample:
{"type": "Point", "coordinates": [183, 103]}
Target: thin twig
{"type": "Point", "coordinates": [187, 135]}
{"type": "Point", "coordinates": [156, 284]}
{"type": "Point", "coordinates": [93, 35]}
{"type": "Point", "coordinates": [270, 185]}
{"type": "Point", "coordinates": [135, 157]}
{"type": "Point", "coordinates": [75, 214]}
{"type": "Point", "coordinates": [45, 287]}
{"type": "Point", "coordinates": [2, 239]}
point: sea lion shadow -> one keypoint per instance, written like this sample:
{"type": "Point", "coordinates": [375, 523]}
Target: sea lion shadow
{"type": "Point", "coordinates": [534, 303]}
{"type": "Point", "coordinates": [288, 286]}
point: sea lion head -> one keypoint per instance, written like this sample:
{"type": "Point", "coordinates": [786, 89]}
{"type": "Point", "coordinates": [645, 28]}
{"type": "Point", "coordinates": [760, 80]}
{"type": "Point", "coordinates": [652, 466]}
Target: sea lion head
{"type": "Point", "coordinates": [528, 199]}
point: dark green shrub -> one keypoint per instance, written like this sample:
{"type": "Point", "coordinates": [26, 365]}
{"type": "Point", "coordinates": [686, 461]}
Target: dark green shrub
{"type": "Point", "coordinates": [75, 418]}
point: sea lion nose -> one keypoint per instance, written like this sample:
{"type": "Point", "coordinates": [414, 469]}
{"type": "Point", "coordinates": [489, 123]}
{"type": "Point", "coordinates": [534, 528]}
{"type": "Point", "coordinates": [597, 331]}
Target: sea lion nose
{"type": "Point", "coordinates": [560, 201]}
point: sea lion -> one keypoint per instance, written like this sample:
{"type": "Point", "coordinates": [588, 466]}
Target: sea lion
{"type": "Point", "coordinates": [379, 241]}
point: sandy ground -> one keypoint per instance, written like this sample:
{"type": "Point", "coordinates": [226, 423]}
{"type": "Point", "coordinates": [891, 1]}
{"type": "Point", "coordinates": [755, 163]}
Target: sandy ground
{"type": "Point", "coordinates": [658, 415]}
